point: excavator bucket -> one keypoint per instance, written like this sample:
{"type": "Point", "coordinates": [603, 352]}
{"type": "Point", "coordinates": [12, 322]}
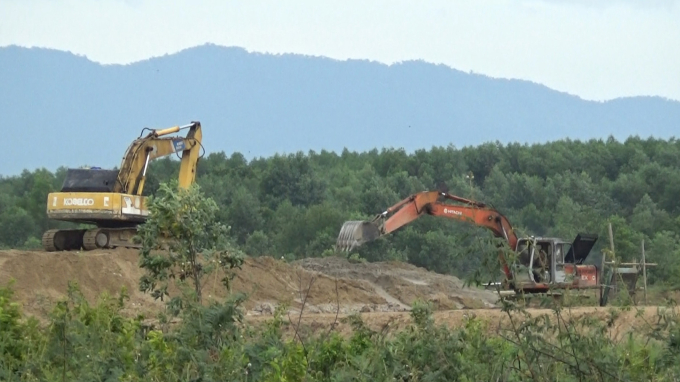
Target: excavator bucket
{"type": "Point", "coordinates": [355, 233]}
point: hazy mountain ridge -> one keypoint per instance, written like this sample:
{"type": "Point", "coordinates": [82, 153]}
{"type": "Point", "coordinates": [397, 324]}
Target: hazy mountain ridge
{"type": "Point", "coordinates": [62, 109]}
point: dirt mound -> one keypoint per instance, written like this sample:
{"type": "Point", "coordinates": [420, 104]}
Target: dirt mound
{"type": "Point", "coordinates": [328, 284]}
{"type": "Point", "coordinates": [324, 284]}
{"type": "Point", "coordinates": [41, 278]}
{"type": "Point", "coordinates": [402, 284]}
{"type": "Point", "coordinates": [270, 282]}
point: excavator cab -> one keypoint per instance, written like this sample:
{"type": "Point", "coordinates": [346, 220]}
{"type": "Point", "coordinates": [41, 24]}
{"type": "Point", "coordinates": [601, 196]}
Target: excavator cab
{"type": "Point", "coordinates": [534, 261]}
{"type": "Point", "coordinates": [92, 179]}
{"type": "Point", "coordinates": [549, 261]}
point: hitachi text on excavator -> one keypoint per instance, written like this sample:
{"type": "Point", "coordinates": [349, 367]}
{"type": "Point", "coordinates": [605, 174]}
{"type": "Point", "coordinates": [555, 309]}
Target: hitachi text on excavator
{"type": "Point", "coordinates": [112, 200]}
{"type": "Point", "coordinates": [543, 263]}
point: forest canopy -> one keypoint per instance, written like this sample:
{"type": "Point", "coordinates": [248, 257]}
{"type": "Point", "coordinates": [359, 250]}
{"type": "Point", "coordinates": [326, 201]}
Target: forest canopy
{"type": "Point", "coordinates": [293, 205]}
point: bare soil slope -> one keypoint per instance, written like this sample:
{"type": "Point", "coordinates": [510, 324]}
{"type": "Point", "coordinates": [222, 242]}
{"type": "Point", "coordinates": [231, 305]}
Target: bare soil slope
{"type": "Point", "coordinates": [323, 284]}
{"type": "Point", "coordinates": [331, 288]}
{"type": "Point", "coordinates": [401, 284]}
{"type": "Point", "coordinates": [41, 278]}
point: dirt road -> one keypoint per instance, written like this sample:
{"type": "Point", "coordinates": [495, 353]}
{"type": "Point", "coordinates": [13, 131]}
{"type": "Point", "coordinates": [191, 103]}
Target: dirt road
{"type": "Point", "coordinates": [639, 321]}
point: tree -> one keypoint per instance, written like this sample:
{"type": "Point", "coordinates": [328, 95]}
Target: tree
{"type": "Point", "coordinates": [184, 222]}
{"type": "Point", "coordinates": [664, 249]}
{"type": "Point", "coordinates": [244, 214]}
{"type": "Point", "coordinates": [648, 218]}
{"type": "Point", "coordinates": [16, 226]}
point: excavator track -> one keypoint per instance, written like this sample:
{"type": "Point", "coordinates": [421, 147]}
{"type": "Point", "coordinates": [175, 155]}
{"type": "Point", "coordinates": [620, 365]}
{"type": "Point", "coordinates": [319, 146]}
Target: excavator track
{"type": "Point", "coordinates": [99, 238]}
{"type": "Point", "coordinates": [63, 239]}
{"type": "Point", "coordinates": [95, 238]}
{"type": "Point", "coordinates": [56, 240]}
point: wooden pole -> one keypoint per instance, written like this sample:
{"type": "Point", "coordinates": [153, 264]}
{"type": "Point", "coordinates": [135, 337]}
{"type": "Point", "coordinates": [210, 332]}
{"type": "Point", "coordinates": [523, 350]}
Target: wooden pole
{"type": "Point", "coordinates": [611, 245]}
{"type": "Point", "coordinates": [602, 275]}
{"type": "Point", "coordinates": [611, 238]}
{"type": "Point", "coordinates": [644, 271]}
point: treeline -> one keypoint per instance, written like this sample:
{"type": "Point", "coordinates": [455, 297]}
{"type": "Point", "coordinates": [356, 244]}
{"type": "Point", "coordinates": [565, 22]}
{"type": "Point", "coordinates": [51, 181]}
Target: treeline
{"type": "Point", "coordinates": [294, 205]}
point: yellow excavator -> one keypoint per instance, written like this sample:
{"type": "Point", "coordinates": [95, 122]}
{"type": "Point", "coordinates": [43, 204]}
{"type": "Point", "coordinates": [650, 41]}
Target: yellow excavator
{"type": "Point", "coordinates": [112, 200]}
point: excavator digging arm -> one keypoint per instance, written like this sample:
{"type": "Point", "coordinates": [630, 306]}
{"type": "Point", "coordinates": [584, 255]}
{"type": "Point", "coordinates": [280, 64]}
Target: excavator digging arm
{"type": "Point", "coordinates": [132, 174]}
{"type": "Point", "coordinates": [356, 233]}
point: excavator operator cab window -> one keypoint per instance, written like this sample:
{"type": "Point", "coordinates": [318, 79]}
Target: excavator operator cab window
{"type": "Point", "coordinates": [541, 264]}
{"type": "Point", "coordinates": [524, 252]}
{"type": "Point", "coordinates": [565, 249]}
{"type": "Point", "coordinates": [559, 253]}
{"type": "Point", "coordinates": [89, 180]}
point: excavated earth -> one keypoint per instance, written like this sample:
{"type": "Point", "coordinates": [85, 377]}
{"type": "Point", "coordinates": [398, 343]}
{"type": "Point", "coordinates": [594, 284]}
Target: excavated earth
{"type": "Point", "coordinates": [324, 285]}
{"type": "Point", "coordinates": [330, 289]}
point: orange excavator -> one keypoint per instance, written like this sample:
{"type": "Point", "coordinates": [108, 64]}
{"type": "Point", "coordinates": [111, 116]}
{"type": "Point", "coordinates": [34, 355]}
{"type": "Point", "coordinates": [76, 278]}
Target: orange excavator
{"type": "Point", "coordinates": [542, 263]}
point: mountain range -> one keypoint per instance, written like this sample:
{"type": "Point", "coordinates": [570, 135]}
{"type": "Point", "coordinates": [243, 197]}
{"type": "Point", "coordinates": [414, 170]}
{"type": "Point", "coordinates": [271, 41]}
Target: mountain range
{"type": "Point", "coordinates": [61, 109]}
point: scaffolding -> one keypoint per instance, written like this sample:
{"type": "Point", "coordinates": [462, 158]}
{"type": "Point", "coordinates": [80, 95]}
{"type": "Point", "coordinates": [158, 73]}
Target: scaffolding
{"type": "Point", "coordinates": [623, 275]}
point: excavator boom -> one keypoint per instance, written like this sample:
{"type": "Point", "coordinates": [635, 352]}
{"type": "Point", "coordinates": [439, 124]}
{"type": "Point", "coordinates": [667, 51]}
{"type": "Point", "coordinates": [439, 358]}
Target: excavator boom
{"type": "Point", "coordinates": [133, 168]}
{"type": "Point", "coordinates": [356, 233]}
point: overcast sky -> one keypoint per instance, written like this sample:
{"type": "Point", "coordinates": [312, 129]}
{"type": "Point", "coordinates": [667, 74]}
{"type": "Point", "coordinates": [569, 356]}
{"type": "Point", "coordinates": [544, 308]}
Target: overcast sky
{"type": "Point", "coordinates": [595, 49]}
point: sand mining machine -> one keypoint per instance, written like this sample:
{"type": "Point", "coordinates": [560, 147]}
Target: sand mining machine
{"type": "Point", "coordinates": [540, 264]}
{"type": "Point", "coordinates": [112, 200]}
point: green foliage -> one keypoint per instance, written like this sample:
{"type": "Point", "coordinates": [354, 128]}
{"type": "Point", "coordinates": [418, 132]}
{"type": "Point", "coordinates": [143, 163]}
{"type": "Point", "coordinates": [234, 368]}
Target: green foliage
{"type": "Point", "coordinates": [184, 222]}
{"type": "Point", "coordinates": [11, 345]}
{"type": "Point", "coordinates": [664, 249]}
{"type": "Point", "coordinates": [257, 244]}
{"type": "Point", "coordinates": [17, 226]}
{"type": "Point", "coordinates": [421, 313]}
{"type": "Point", "coordinates": [293, 206]}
